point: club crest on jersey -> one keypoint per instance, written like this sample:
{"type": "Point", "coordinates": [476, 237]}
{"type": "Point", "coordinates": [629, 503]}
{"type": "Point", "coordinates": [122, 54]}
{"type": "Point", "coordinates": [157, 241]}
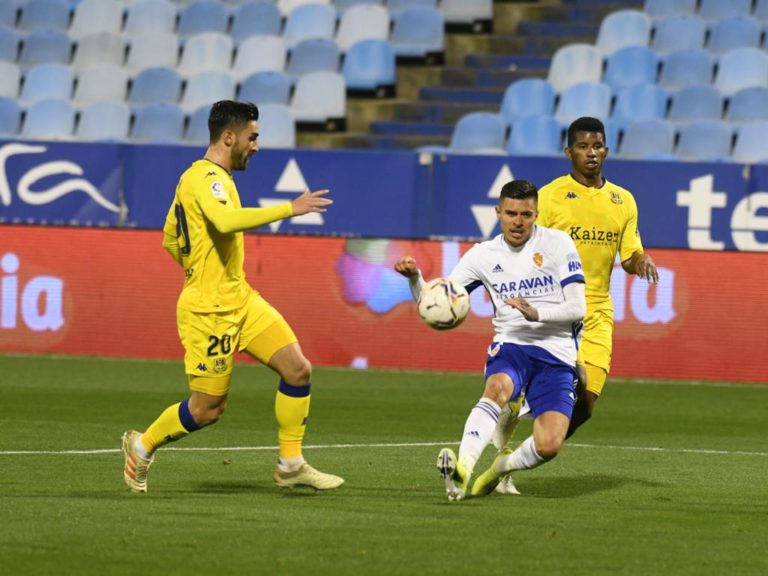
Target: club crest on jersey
{"type": "Point", "coordinates": [616, 198]}
{"type": "Point", "coordinates": [217, 189]}
{"type": "Point", "coordinates": [538, 259]}
{"type": "Point", "coordinates": [219, 364]}
{"type": "Point", "coordinates": [572, 196]}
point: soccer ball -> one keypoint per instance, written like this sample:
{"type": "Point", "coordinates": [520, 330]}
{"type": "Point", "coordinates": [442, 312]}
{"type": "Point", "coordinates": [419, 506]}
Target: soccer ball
{"type": "Point", "coordinates": [443, 304]}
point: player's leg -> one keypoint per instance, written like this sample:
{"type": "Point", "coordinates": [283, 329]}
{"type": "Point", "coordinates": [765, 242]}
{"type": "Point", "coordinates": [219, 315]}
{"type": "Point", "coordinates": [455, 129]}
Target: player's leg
{"type": "Point", "coordinates": [208, 396]}
{"type": "Point", "coordinates": [268, 338]}
{"type": "Point", "coordinates": [591, 381]}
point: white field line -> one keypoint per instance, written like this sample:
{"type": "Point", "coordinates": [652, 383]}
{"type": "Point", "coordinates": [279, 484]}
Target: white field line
{"type": "Point", "coordinates": [375, 445]}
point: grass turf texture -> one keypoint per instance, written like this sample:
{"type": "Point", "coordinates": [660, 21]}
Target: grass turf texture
{"type": "Point", "coordinates": [668, 478]}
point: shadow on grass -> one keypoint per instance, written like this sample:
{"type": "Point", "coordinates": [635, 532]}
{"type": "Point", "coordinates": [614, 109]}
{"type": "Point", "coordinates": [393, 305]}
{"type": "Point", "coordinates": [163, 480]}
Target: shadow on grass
{"type": "Point", "coordinates": [575, 486]}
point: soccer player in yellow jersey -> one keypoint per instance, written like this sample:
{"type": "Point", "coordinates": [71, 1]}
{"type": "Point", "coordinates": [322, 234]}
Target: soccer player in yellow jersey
{"type": "Point", "coordinates": [602, 220]}
{"type": "Point", "coordinates": [219, 313]}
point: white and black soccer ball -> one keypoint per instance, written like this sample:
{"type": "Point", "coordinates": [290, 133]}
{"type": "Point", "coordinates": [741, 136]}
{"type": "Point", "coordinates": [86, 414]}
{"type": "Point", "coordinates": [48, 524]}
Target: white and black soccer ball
{"type": "Point", "coordinates": [443, 304]}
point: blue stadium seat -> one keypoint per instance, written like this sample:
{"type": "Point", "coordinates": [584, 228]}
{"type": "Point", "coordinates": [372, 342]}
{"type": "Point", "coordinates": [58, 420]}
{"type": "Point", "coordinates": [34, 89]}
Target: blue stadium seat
{"type": "Point", "coordinates": [45, 46]}
{"type": "Point", "coordinates": [49, 120]}
{"type": "Point", "coordinates": [158, 123]}
{"type": "Point", "coordinates": [197, 127]}
{"type": "Point", "coordinates": [101, 48]}
{"type": "Point", "coordinates": [342, 5]}
{"type": "Point", "coordinates": [205, 88]}
{"type": "Point", "coordinates": [370, 65]}
{"type": "Point", "coordinates": [258, 54]}
{"type": "Point", "coordinates": [705, 141]}
{"type": "Point", "coordinates": [45, 15]}
{"type": "Point", "coordinates": [639, 102]}
{"type": "Point", "coordinates": [575, 63]}
{"type": "Point", "coordinates": [418, 32]}
{"type": "Point", "coordinates": [269, 87]}
{"type": "Point", "coordinates": [48, 81]}
{"type": "Point", "coordinates": [527, 97]}
{"type": "Point", "coordinates": [205, 52]}
{"type": "Point", "coordinates": [309, 21]}
{"type": "Point", "coordinates": [395, 6]}
{"type": "Point", "coordinates": [536, 136]}
{"type": "Point", "coordinates": [362, 22]}
{"type": "Point", "coordinates": [662, 8]}
{"type": "Point", "coordinates": [631, 66]}
{"type": "Point", "coordinates": [761, 10]}
{"type": "Point", "coordinates": [741, 68]}
{"type": "Point", "coordinates": [623, 28]}
{"type": "Point", "coordinates": [10, 117]}
{"type": "Point", "coordinates": [742, 31]}
{"type": "Point", "coordinates": [9, 13]}
{"type": "Point", "coordinates": [150, 17]}
{"type": "Point", "coordinates": [10, 80]}
{"type": "Point", "coordinates": [688, 67]}
{"type": "Point", "coordinates": [155, 85]}
{"type": "Point", "coordinates": [648, 139]}
{"type": "Point", "coordinates": [479, 133]}
{"type": "Point", "coordinates": [277, 127]}
{"type": "Point", "coordinates": [96, 16]}
{"type": "Point", "coordinates": [288, 6]}
{"type": "Point", "coordinates": [751, 145]}
{"type": "Point", "coordinates": [313, 55]}
{"type": "Point", "coordinates": [151, 50]}
{"type": "Point", "coordinates": [612, 133]}
{"type": "Point", "coordinates": [203, 16]}
{"type": "Point", "coordinates": [320, 98]}
{"type": "Point", "coordinates": [105, 121]}
{"type": "Point", "coordinates": [10, 41]}
{"type": "Point", "coordinates": [255, 18]}
{"type": "Point", "coordinates": [102, 82]}
{"type": "Point", "coordinates": [748, 105]}
{"type": "Point", "coordinates": [686, 31]}
{"type": "Point", "coordinates": [718, 9]}
{"type": "Point", "coordinates": [584, 99]}
{"type": "Point", "coordinates": [703, 102]}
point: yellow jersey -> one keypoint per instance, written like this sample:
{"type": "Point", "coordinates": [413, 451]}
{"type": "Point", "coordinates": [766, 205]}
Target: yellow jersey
{"type": "Point", "coordinates": [601, 221]}
{"type": "Point", "coordinates": [212, 261]}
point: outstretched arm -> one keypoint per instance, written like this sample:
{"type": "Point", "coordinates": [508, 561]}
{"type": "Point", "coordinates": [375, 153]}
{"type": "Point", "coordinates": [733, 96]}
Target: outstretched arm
{"type": "Point", "coordinates": [643, 265]}
{"type": "Point", "coordinates": [408, 268]}
{"type": "Point", "coordinates": [228, 220]}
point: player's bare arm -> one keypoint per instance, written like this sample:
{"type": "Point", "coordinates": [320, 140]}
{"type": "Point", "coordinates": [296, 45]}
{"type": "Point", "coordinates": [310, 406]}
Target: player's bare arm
{"type": "Point", "coordinates": [521, 304]}
{"type": "Point", "coordinates": [643, 265]}
{"type": "Point", "coordinates": [311, 202]}
{"type": "Point", "coordinates": [407, 267]}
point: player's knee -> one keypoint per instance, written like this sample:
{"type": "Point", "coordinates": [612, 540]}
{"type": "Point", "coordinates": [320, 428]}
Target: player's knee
{"type": "Point", "coordinates": [299, 373]}
{"type": "Point", "coordinates": [498, 389]}
{"type": "Point", "coordinates": [549, 446]}
{"type": "Point", "coordinates": [207, 415]}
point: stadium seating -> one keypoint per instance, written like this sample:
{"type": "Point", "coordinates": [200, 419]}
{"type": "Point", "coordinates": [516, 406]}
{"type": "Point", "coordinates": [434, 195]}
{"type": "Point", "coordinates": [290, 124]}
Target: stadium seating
{"type": "Point", "coordinates": [206, 52]}
{"type": "Point", "coordinates": [648, 139]}
{"type": "Point", "coordinates": [45, 46]}
{"type": "Point", "coordinates": [479, 133]}
{"type": "Point", "coordinates": [742, 31]}
{"type": "Point", "coordinates": [277, 127]}
{"type": "Point", "coordinates": [150, 17]}
{"type": "Point", "coordinates": [630, 66]}
{"type": "Point", "coordinates": [109, 120]}
{"type": "Point", "coordinates": [10, 80]}
{"type": "Point", "coordinates": [751, 145]}
{"type": "Point", "coordinates": [536, 136]}
{"type": "Point", "coordinates": [761, 10]}
{"type": "Point", "coordinates": [575, 63]}
{"type": "Point", "coordinates": [268, 87]}
{"type": "Point", "coordinates": [475, 14]}
{"type": "Point", "coordinates": [158, 123]}
{"type": "Point", "coordinates": [100, 48]}
{"type": "Point", "coordinates": [342, 5]}
{"type": "Point", "coordinates": [208, 87]}
{"type": "Point", "coordinates": [418, 32]}
{"type": "Point", "coordinates": [103, 82]}
{"type": "Point", "coordinates": [313, 55]}
{"type": "Point", "coordinates": [527, 97]}
{"type": "Point", "coordinates": [748, 105]}
{"type": "Point", "coordinates": [662, 8]}
{"type": "Point", "coordinates": [197, 127]}
{"type": "Point", "coordinates": [320, 98]}
{"type": "Point", "coordinates": [49, 120]}
{"type": "Point", "coordinates": [97, 16]}
{"type": "Point", "coordinates": [254, 18]}
{"type": "Point", "coordinates": [258, 54]}
{"type": "Point", "coordinates": [395, 6]}
{"type": "Point", "coordinates": [718, 9]}
{"type": "Point", "coordinates": [10, 116]}
{"type": "Point", "coordinates": [151, 50]}
{"type": "Point", "coordinates": [309, 21]}
{"type": "Point", "coordinates": [703, 102]}
{"type": "Point", "coordinates": [45, 15]}
{"type": "Point", "coordinates": [10, 41]}
{"type": "Point", "coordinates": [704, 141]}
{"type": "Point", "coordinates": [47, 81]}
{"type": "Point", "coordinates": [369, 65]}
{"type": "Point", "coordinates": [639, 102]}
{"type": "Point", "coordinates": [741, 68]}
{"type": "Point", "coordinates": [362, 22]}
{"type": "Point", "coordinates": [623, 28]}
{"type": "Point", "coordinates": [288, 6]}
{"type": "Point", "coordinates": [688, 67]}
{"type": "Point", "coordinates": [685, 31]}
{"type": "Point", "coordinates": [584, 99]}
{"type": "Point", "coordinates": [155, 85]}
{"type": "Point", "coordinates": [203, 16]}
{"type": "Point", "coordinates": [8, 13]}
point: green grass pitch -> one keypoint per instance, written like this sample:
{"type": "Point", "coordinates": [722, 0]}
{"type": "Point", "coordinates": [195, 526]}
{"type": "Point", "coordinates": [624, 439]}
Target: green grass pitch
{"type": "Point", "coordinates": [668, 478]}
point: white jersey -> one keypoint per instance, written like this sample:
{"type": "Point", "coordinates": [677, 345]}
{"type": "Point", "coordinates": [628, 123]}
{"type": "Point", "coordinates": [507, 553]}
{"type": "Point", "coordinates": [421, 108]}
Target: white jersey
{"type": "Point", "coordinates": [536, 271]}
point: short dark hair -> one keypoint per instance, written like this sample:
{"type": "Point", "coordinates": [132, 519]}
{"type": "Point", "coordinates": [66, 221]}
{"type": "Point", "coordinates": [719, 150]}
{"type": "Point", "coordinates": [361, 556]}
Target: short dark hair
{"type": "Point", "coordinates": [230, 115]}
{"type": "Point", "coordinates": [519, 190]}
{"type": "Point", "coordinates": [584, 124]}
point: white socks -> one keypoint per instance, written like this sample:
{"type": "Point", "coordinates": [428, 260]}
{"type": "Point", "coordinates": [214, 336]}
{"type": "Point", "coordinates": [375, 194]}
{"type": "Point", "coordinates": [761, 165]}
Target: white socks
{"type": "Point", "coordinates": [478, 430]}
{"type": "Point", "coordinates": [523, 458]}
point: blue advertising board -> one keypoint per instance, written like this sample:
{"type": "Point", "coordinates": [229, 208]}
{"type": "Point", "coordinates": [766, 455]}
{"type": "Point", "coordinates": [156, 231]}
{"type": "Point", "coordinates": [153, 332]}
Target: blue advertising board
{"type": "Point", "coordinates": [685, 205]}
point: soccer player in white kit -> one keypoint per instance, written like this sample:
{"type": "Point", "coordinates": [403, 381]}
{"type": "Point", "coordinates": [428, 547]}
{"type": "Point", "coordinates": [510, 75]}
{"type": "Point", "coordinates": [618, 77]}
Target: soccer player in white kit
{"type": "Point", "coordinates": [535, 280]}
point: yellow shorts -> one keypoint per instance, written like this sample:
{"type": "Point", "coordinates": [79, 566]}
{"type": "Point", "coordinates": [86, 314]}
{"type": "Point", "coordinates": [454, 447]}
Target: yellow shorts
{"type": "Point", "coordinates": [211, 339]}
{"type": "Point", "coordinates": [597, 342]}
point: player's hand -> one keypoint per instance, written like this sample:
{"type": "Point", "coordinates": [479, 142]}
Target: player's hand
{"type": "Point", "coordinates": [529, 312]}
{"type": "Point", "coordinates": [645, 268]}
{"type": "Point", "coordinates": [407, 266]}
{"type": "Point", "coordinates": [311, 202]}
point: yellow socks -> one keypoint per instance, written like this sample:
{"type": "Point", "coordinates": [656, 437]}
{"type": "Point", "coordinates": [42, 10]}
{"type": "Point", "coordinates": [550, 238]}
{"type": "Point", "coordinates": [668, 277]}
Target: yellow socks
{"type": "Point", "coordinates": [175, 422]}
{"type": "Point", "coordinates": [291, 411]}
